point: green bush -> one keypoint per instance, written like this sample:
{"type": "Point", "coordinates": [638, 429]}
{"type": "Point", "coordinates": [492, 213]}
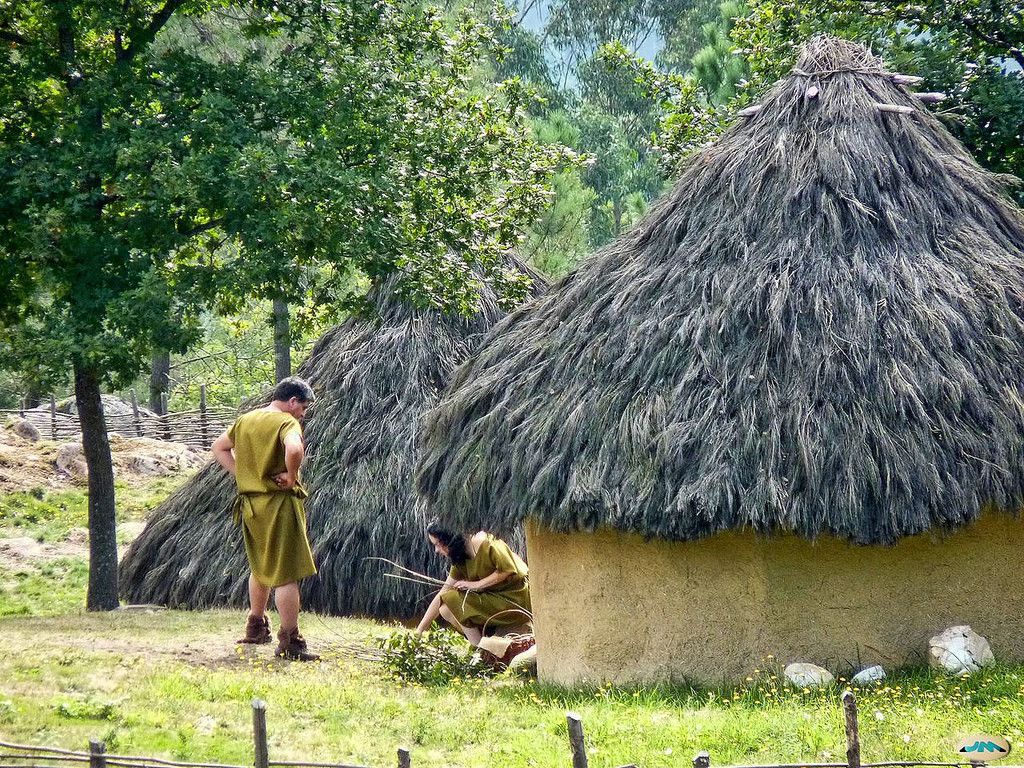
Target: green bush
{"type": "Point", "coordinates": [434, 658]}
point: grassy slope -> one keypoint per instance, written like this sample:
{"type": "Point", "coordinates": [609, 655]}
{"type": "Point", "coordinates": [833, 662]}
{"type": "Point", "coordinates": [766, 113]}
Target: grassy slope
{"type": "Point", "coordinates": [57, 585]}
{"type": "Point", "coordinates": [174, 684]}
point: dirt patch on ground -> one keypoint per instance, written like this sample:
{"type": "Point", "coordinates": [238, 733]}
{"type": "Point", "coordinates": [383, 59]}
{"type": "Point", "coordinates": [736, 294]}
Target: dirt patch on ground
{"type": "Point", "coordinates": [27, 465]}
{"type": "Point", "coordinates": [20, 551]}
{"type": "Point", "coordinates": [205, 639]}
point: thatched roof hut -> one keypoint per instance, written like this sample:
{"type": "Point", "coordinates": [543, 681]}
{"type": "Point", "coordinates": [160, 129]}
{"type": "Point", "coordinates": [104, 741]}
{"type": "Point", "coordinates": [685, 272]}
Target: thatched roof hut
{"type": "Point", "coordinates": [817, 335]}
{"type": "Point", "coordinates": [374, 377]}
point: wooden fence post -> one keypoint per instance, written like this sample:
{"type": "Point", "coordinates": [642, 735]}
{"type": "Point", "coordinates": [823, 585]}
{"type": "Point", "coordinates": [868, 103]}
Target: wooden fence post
{"type": "Point", "coordinates": [202, 414]}
{"type": "Point", "coordinates": [135, 414]}
{"type": "Point", "coordinates": [259, 733]}
{"type": "Point", "coordinates": [97, 754]}
{"type": "Point", "coordinates": [702, 760]}
{"type": "Point", "coordinates": [166, 416]}
{"type": "Point", "coordinates": [53, 417]}
{"type": "Point", "coordinates": [404, 761]}
{"type": "Point", "coordinates": [579, 749]}
{"type": "Point", "coordinates": [852, 734]}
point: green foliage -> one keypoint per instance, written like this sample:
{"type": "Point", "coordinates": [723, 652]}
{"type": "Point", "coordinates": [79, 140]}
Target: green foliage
{"type": "Point", "coordinates": [146, 176]}
{"type": "Point", "coordinates": [685, 32]}
{"type": "Point", "coordinates": [616, 118]}
{"type": "Point", "coordinates": [335, 138]}
{"type": "Point", "coordinates": [87, 708]}
{"type": "Point", "coordinates": [235, 359]}
{"type": "Point", "coordinates": [433, 658]}
{"type": "Point", "coordinates": [716, 66]}
{"type": "Point", "coordinates": [562, 236]}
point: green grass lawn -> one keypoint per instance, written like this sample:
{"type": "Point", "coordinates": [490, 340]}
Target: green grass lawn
{"type": "Point", "coordinates": [174, 684]}
{"type": "Point", "coordinates": [55, 585]}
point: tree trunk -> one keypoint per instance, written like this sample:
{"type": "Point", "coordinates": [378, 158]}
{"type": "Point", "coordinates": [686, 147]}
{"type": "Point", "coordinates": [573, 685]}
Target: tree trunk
{"type": "Point", "coordinates": [32, 398]}
{"type": "Point", "coordinates": [617, 215]}
{"type": "Point", "coordinates": [102, 594]}
{"type": "Point", "coordinates": [159, 380]}
{"type": "Point", "coordinates": [282, 341]}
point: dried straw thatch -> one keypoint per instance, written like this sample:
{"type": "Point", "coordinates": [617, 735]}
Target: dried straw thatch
{"type": "Point", "coordinates": [820, 330]}
{"type": "Point", "coordinates": [373, 380]}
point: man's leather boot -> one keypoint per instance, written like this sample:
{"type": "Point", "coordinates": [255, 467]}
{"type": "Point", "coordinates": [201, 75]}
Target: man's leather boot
{"type": "Point", "coordinates": [291, 645]}
{"type": "Point", "coordinates": [257, 630]}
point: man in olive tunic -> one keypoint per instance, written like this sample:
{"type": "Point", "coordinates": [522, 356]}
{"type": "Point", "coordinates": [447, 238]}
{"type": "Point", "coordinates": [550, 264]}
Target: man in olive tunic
{"type": "Point", "coordinates": [263, 450]}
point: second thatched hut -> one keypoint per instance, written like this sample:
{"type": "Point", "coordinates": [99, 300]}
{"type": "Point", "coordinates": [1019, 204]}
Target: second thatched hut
{"type": "Point", "coordinates": [374, 376]}
{"type": "Point", "coordinates": [784, 415]}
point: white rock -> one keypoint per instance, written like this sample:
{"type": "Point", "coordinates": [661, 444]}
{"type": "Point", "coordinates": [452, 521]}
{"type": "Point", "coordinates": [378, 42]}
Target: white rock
{"type": "Point", "coordinates": [525, 663]}
{"type": "Point", "coordinates": [869, 675]}
{"type": "Point", "coordinates": [959, 650]}
{"type": "Point", "coordinates": [805, 675]}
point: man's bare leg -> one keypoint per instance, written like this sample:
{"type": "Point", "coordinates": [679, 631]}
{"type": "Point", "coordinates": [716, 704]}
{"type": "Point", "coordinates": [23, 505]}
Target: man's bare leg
{"type": "Point", "coordinates": [471, 634]}
{"type": "Point", "coordinates": [259, 596]}
{"type": "Point", "coordinates": [290, 643]}
{"type": "Point", "coordinates": [257, 626]}
{"type": "Point", "coordinates": [287, 600]}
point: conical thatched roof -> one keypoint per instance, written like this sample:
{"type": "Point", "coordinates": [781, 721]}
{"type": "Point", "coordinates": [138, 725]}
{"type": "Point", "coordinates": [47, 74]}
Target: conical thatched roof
{"type": "Point", "coordinates": [819, 330]}
{"type": "Point", "coordinates": [373, 379]}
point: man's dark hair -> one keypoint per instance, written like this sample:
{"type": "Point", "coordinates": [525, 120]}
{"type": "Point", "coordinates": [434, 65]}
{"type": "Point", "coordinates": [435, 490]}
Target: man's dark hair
{"type": "Point", "coordinates": [295, 387]}
{"type": "Point", "coordinates": [455, 542]}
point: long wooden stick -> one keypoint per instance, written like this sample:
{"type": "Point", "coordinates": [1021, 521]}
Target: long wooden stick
{"type": "Point", "coordinates": [852, 732]}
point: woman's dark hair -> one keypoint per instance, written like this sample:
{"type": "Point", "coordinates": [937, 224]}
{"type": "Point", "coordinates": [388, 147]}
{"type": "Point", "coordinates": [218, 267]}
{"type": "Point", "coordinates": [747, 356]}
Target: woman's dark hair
{"type": "Point", "coordinates": [455, 542]}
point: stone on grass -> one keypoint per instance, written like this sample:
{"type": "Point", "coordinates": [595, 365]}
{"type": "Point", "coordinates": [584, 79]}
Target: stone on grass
{"type": "Point", "coordinates": [524, 663]}
{"type": "Point", "coordinates": [869, 675]}
{"type": "Point", "coordinates": [959, 650]}
{"type": "Point", "coordinates": [70, 460]}
{"type": "Point", "coordinates": [805, 675]}
{"type": "Point", "coordinates": [26, 429]}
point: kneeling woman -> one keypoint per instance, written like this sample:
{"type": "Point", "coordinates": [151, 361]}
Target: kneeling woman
{"type": "Point", "coordinates": [486, 587]}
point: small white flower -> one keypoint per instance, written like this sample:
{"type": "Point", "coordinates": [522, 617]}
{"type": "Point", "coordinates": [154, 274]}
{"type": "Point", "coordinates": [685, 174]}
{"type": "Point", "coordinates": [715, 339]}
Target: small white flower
{"type": "Point", "coordinates": [878, 715]}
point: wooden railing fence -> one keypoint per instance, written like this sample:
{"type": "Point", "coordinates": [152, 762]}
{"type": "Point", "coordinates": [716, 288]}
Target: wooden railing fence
{"type": "Point", "coordinates": [197, 427]}
{"type": "Point", "coordinates": [25, 756]}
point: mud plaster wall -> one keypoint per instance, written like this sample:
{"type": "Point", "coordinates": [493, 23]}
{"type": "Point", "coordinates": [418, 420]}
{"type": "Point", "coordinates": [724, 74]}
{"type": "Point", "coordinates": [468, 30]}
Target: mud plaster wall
{"type": "Point", "coordinates": [613, 607]}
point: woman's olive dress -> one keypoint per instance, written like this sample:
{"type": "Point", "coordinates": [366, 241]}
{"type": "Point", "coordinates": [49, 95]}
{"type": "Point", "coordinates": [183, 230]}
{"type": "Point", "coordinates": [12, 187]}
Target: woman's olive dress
{"type": "Point", "coordinates": [504, 605]}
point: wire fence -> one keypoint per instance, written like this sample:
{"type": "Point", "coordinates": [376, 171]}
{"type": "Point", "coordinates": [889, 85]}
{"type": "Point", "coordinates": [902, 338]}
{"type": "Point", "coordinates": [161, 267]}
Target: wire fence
{"type": "Point", "coordinates": [196, 428]}
{"type": "Point", "coordinates": [25, 756]}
